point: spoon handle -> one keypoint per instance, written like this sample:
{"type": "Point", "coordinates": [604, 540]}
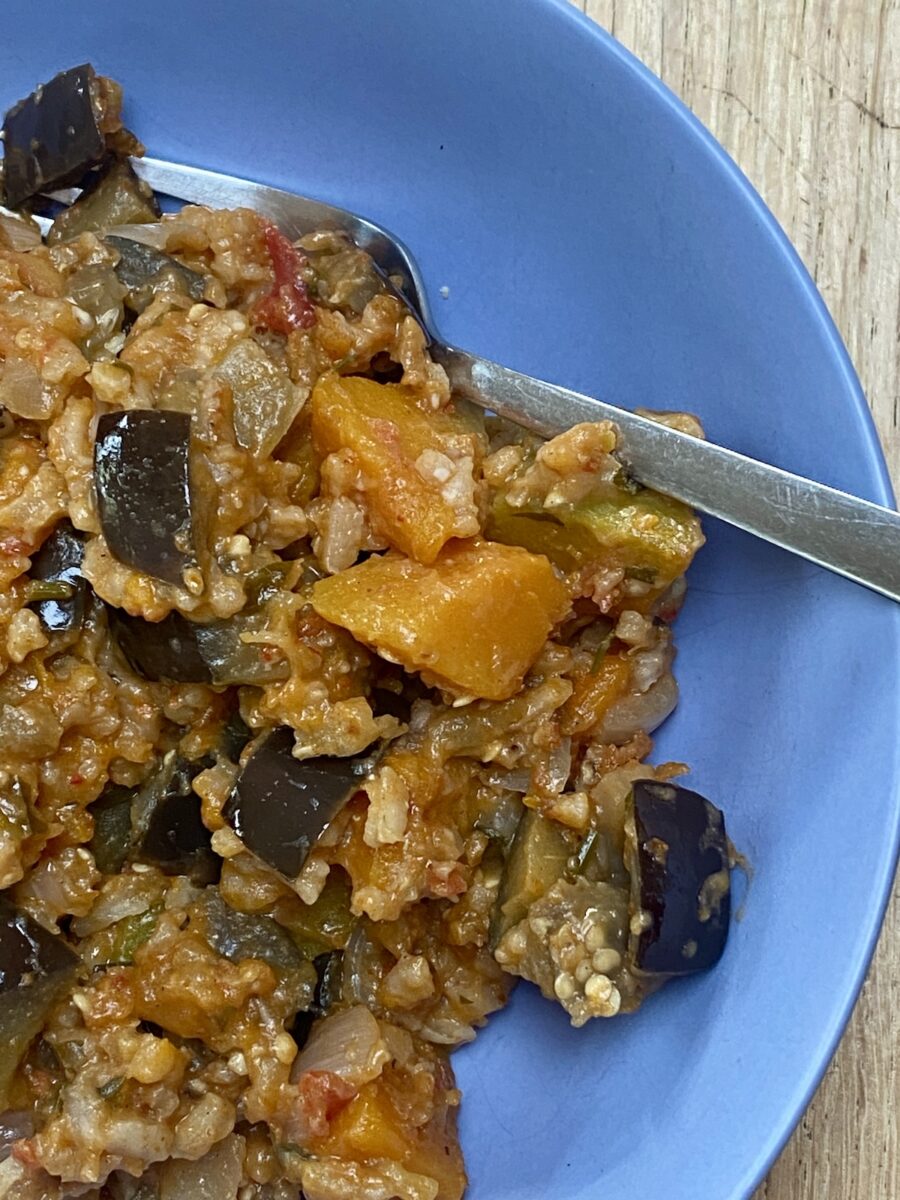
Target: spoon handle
{"type": "Point", "coordinates": [847, 535]}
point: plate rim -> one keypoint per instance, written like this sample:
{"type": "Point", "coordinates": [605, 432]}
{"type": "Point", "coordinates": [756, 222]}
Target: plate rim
{"type": "Point", "coordinates": [607, 44]}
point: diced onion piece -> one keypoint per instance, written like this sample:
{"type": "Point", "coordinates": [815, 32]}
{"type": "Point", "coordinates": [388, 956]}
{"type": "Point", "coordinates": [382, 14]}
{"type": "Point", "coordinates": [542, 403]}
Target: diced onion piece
{"type": "Point", "coordinates": [349, 1045]}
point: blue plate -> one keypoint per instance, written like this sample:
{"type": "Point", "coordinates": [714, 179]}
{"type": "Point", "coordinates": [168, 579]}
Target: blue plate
{"type": "Point", "coordinates": [590, 231]}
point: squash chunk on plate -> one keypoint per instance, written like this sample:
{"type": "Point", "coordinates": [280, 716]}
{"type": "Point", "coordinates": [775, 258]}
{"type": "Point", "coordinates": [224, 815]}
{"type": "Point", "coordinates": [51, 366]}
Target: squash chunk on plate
{"type": "Point", "coordinates": [474, 621]}
{"type": "Point", "coordinates": [415, 466]}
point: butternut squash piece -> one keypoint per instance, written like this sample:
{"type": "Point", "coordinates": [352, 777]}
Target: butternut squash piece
{"type": "Point", "coordinates": [370, 1127]}
{"type": "Point", "coordinates": [475, 620]}
{"type": "Point", "coordinates": [594, 694]}
{"type": "Point", "coordinates": [415, 467]}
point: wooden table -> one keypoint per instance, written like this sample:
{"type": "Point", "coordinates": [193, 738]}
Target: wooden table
{"type": "Point", "coordinates": [805, 95]}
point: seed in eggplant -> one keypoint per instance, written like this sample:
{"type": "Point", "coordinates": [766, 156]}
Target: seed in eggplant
{"type": "Point", "coordinates": [52, 137]}
{"type": "Point", "coordinates": [59, 562]}
{"type": "Point", "coordinates": [142, 477]}
{"type": "Point", "coordinates": [143, 270]}
{"type": "Point", "coordinates": [176, 650]}
{"type": "Point", "coordinates": [35, 969]}
{"type": "Point", "coordinates": [114, 197]}
{"type": "Point", "coordinates": [677, 855]}
{"type": "Point", "coordinates": [167, 828]}
{"type": "Point", "coordinates": [281, 806]}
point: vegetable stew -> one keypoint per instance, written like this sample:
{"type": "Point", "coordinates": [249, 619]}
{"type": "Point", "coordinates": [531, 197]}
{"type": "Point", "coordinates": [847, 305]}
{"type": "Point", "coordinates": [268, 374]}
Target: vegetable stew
{"type": "Point", "coordinates": [326, 705]}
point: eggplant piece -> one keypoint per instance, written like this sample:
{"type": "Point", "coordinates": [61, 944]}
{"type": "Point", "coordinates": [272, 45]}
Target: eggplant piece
{"type": "Point", "coordinates": [280, 806]}
{"type": "Point", "coordinates": [142, 477]}
{"type": "Point", "coordinates": [177, 650]}
{"type": "Point", "coordinates": [143, 270]}
{"type": "Point", "coordinates": [677, 855]}
{"type": "Point", "coordinates": [233, 661]}
{"type": "Point", "coordinates": [167, 828]}
{"type": "Point", "coordinates": [158, 823]}
{"type": "Point", "coordinates": [36, 967]}
{"type": "Point", "coordinates": [235, 736]}
{"type": "Point", "coordinates": [238, 936]}
{"type": "Point", "coordinates": [166, 650]}
{"type": "Point", "coordinates": [112, 828]}
{"type": "Point", "coordinates": [53, 137]}
{"type": "Point", "coordinates": [329, 988]}
{"type": "Point", "coordinates": [116, 197]}
{"type": "Point", "coordinates": [59, 562]}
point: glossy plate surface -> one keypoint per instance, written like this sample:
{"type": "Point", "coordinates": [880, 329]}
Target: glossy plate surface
{"type": "Point", "coordinates": [589, 231]}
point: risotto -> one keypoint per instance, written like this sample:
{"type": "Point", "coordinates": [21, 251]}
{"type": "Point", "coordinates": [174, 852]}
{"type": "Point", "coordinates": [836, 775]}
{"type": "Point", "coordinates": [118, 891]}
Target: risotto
{"type": "Point", "coordinates": [325, 706]}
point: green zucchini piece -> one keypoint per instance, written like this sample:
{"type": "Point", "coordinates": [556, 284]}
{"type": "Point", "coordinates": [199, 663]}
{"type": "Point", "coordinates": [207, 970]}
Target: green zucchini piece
{"type": "Point", "coordinates": [538, 856]}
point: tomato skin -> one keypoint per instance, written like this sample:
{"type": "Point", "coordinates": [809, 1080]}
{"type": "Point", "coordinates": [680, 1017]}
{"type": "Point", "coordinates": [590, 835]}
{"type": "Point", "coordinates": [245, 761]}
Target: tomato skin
{"type": "Point", "coordinates": [287, 306]}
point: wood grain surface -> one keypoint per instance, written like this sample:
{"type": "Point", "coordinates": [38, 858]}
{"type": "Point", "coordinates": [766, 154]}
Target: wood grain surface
{"type": "Point", "coordinates": [805, 96]}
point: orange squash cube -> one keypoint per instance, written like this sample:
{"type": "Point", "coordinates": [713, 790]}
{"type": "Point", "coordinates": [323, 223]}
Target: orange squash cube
{"type": "Point", "coordinates": [370, 1128]}
{"type": "Point", "coordinates": [594, 694]}
{"type": "Point", "coordinates": [475, 620]}
{"type": "Point", "coordinates": [415, 466]}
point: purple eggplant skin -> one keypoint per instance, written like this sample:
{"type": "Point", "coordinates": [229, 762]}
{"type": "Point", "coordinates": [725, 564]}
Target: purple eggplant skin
{"type": "Point", "coordinates": [35, 969]}
{"type": "Point", "coordinates": [143, 481]}
{"type": "Point", "coordinates": [329, 971]}
{"type": "Point", "coordinates": [59, 561]}
{"type": "Point", "coordinates": [679, 860]}
{"type": "Point", "coordinates": [281, 806]}
{"type": "Point", "coordinates": [53, 137]}
{"type": "Point", "coordinates": [164, 651]}
{"type": "Point", "coordinates": [167, 829]}
{"type": "Point", "coordinates": [176, 650]}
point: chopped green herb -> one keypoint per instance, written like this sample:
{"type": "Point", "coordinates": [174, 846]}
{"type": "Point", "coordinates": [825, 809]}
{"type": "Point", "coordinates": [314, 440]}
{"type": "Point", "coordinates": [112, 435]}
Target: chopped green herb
{"type": "Point", "coordinates": [601, 653]}
{"type": "Point", "coordinates": [641, 574]}
{"type": "Point", "coordinates": [293, 1148]}
{"type": "Point", "coordinates": [48, 589]}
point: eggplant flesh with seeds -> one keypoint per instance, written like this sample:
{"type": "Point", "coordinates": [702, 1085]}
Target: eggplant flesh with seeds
{"type": "Point", "coordinates": [678, 856]}
{"type": "Point", "coordinates": [142, 477]}
{"type": "Point", "coordinates": [143, 270]}
{"type": "Point", "coordinates": [280, 806]}
{"type": "Point", "coordinates": [59, 562]}
{"type": "Point", "coordinates": [176, 650]}
{"type": "Point", "coordinates": [35, 969]}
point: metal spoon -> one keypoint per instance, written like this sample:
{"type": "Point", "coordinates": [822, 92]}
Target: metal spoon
{"type": "Point", "coordinates": [838, 531]}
